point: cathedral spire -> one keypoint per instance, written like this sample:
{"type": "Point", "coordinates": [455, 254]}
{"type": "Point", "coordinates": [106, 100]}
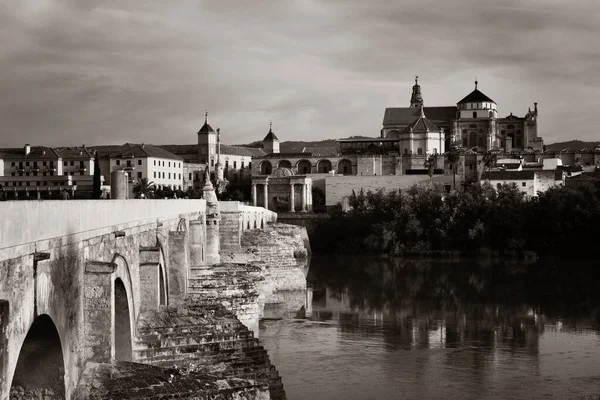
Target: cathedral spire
{"type": "Point", "coordinates": [416, 100]}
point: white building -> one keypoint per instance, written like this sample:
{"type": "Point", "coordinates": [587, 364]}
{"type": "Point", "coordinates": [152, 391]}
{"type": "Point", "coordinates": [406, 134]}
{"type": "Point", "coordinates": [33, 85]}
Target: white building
{"type": "Point", "coordinates": [147, 161]}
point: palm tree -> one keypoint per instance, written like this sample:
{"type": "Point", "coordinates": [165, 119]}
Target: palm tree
{"type": "Point", "coordinates": [489, 160]}
{"type": "Point", "coordinates": [430, 164]}
{"type": "Point", "coordinates": [453, 155]}
{"type": "Point", "coordinates": [144, 189]}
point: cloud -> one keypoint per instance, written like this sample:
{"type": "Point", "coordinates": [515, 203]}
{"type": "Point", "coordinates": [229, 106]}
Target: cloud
{"type": "Point", "coordinates": [105, 72]}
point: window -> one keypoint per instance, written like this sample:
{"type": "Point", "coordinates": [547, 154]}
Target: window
{"type": "Point", "coordinates": [249, 165]}
{"type": "Point", "coordinates": [81, 173]}
{"type": "Point", "coordinates": [27, 163]}
{"type": "Point", "coordinates": [212, 163]}
{"type": "Point", "coordinates": [12, 164]}
{"type": "Point", "coordinates": [155, 163]}
{"type": "Point", "coordinates": [27, 174]}
{"type": "Point", "coordinates": [118, 162]}
{"type": "Point", "coordinates": [28, 183]}
{"type": "Point", "coordinates": [420, 151]}
{"type": "Point", "coordinates": [72, 163]}
{"type": "Point", "coordinates": [226, 163]}
{"type": "Point", "coordinates": [44, 163]}
{"type": "Point", "coordinates": [242, 164]}
{"type": "Point", "coordinates": [13, 174]}
{"type": "Point", "coordinates": [523, 184]}
{"type": "Point", "coordinates": [65, 173]}
{"type": "Point", "coordinates": [139, 175]}
{"type": "Point", "coordinates": [35, 174]}
{"type": "Point", "coordinates": [190, 176]}
{"type": "Point", "coordinates": [155, 173]}
{"type": "Point", "coordinates": [20, 183]}
{"type": "Point", "coordinates": [139, 162]}
{"type": "Point", "coordinates": [169, 175]}
{"type": "Point", "coordinates": [474, 114]}
{"type": "Point", "coordinates": [65, 163]}
{"type": "Point", "coordinates": [51, 164]}
{"type": "Point", "coordinates": [81, 164]}
{"type": "Point", "coordinates": [20, 164]}
{"type": "Point", "coordinates": [405, 151]}
{"type": "Point", "coordinates": [163, 175]}
{"type": "Point", "coordinates": [179, 165]}
{"type": "Point", "coordinates": [169, 164]}
{"type": "Point", "coordinates": [179, 176]}
{"type": "Point", "coordinates": [129, 163]}
{"type": "Point", "coordinates": [470, 167]}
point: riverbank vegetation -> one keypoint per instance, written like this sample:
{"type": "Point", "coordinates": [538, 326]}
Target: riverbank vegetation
{"type": "Point", "coordinates": [561, 222]}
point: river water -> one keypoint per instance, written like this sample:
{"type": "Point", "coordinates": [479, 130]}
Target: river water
{"type": "Point", "coordinates": [394, 329]}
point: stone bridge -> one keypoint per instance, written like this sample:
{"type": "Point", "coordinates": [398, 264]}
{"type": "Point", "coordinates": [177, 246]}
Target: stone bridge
{"type": "Point", "coordinates": [77, 276]}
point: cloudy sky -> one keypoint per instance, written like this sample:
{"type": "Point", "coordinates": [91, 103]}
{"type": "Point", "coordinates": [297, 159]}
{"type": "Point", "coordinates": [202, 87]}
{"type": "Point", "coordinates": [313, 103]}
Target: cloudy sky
{"type": "Point", "coordinates": [78, 72]}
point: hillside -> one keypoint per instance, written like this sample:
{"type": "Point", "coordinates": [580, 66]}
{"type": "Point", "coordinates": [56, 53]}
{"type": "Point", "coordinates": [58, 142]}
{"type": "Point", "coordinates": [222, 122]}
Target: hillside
{"type": "Point", "coordinates": [299, 146]}
{"type": "Point", "coordinates": [575, 145]}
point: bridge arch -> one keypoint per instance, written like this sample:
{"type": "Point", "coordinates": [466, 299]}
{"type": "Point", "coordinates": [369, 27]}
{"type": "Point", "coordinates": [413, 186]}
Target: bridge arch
{"type": "Point", "coordinates": [41, 361]}
{"type": "Point", "coordinates": [128, 310]}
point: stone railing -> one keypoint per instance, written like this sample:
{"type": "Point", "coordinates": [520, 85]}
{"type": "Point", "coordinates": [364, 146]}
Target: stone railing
{"type": "Point", "coordinates": [31, 221]}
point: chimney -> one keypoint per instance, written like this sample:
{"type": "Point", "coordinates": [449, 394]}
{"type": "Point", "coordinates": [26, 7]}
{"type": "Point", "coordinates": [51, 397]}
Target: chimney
{"type": "Point", "coordinates": [27, 149]}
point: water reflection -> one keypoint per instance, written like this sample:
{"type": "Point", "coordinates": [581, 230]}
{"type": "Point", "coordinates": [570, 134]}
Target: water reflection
{"type": "Point", "coordinates": [428, 329]}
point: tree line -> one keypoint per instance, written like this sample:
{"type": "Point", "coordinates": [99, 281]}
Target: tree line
{"type": "Point", "coordinates": [561, 222]}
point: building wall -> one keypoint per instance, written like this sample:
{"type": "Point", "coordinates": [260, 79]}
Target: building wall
{"type": "Point", "coordinates": [339, 187]}
{"type": "Point", "coordinates": [161, 171]}
{"type": "Point", "coordinates": [526, 186]}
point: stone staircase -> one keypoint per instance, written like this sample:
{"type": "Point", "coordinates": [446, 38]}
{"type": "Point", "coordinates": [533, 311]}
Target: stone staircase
{"type": "Point", "coordinates": [205, 334]}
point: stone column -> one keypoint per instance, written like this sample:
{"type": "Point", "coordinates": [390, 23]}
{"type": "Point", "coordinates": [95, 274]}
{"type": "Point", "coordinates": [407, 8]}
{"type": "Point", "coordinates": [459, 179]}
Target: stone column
{"type": "Point", "coordinates": [292, 200]}
{"type": "Point", "coordinates": [98, 311]}
{"type": "Point", "coordinates": [254, 194]}
{"type": "Point", "coordinates": [266, 195]}
{"type": "Point", "coordinates": [196, 242]}
{"type": "Point", "coordinates": [309, 197]}
{"type": "Point", "coordinates": [178, 265]}
{"type": "Point", "coordinates": [304, 197]}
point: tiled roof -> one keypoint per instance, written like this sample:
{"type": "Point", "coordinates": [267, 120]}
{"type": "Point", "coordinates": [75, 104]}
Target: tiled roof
{"type": "Point", "coordinates": [406, 115]}
{"type": "Point", "coordinates": [421, 124]}
{"type": "Point", "coordinates": [35, 152]}
{"type": "Point", "coordinates": [475, 97]}
{"type": "Point", "coordinates": [186, 149]}
{"type": "Point", "coordinates": [143, 150]}
{"type": "Point", "coordinates": [72, 153]}
{"type": "Point", "coordinates": [105, 150]}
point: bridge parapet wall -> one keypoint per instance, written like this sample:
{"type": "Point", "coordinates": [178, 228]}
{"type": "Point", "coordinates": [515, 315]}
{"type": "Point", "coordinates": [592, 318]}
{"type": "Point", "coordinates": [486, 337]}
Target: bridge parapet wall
{"type": "Point", "coordinates": [237, 217]}
{"type": "Point", "coordinates": [30, 221]}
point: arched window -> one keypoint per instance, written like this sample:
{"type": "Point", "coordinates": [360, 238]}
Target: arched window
{"type": "Point", "coordinates": [304, 167]}
{"type": "Point", "coordinates": [284, 164]}
{"type": "Point", "coordinates": [324, 166]}
{"type": "Point", "coordinates": [345, 167]}
{"type": "Point", "coordinates": [474, 114]}
{"type": "Point", "coordinates": [420, 151]}
{"type": "Point", "coordinates": [265, 168]}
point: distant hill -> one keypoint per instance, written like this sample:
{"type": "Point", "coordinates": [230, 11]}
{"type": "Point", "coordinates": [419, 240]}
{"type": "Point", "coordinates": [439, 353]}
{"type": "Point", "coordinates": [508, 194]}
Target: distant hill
{"type": "Point", "coordinates": [574, 145]}
{"type": "Point", "coordinates": [299, 146]}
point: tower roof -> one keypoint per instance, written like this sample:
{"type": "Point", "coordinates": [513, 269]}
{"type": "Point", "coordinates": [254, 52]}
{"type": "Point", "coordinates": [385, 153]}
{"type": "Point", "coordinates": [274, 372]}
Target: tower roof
{"type": "Point", "coordinates": [206, 128]}
{"type": "Point", "coordinates": [422, 124]}
{"type": "Point", "coordinates": [416, 97]}
{"type": "Point", "coordinates": [270, 136]}
{"type": "Point", "coordinates": [476, 97]}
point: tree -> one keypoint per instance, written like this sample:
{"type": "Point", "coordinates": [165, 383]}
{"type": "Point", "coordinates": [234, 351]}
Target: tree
{"type": "Point", "coordinates": [453, 155]}
{"type": "Point", "coordinates": [430, 164]}
{"type": "Point", "coordinates": [97, 190]}
{"type": "Point", "coordinates": [144, 189]}
{"type": "Point", "coordinates": [489, 160]}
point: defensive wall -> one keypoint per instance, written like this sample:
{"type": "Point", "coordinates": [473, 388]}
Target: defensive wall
{"type": "Point", "coordinates": [100, 284]}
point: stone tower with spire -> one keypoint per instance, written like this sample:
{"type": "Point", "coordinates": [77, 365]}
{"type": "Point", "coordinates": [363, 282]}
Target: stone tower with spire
{"type": "Point", "coordinates": [271, 142]}
{"type": "Point", "coordinates": [416, 99]}
{"type": "Point", "coordinates": [207, 144]}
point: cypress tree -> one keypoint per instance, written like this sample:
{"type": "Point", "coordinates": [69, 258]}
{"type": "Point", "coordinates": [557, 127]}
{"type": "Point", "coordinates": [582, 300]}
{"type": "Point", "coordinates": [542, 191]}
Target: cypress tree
{"type": "Point", "coordinates": [96, 191]}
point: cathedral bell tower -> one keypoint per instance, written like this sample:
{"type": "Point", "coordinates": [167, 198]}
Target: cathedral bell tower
{"type": "Point", "coordinates": [416, 100]}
